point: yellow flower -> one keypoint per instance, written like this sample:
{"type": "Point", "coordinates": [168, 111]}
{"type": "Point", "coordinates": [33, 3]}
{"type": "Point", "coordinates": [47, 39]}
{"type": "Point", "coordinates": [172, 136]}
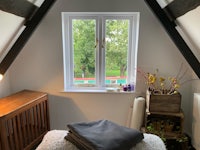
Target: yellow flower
{"type": "Point", "coordinates": [162, 84]}
{"type": "Point", "coordinates": [175, 92]}
{"type": "Point", "coordinates": [173, 80]}
{"type": "Point", "coordinates": [176, 86]}
{"type": "Point", "coordinates": [162, 79]}
{"type": "Point", "coordinates": [151, 78]}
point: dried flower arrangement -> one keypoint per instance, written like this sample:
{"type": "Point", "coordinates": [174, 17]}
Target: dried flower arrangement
{"type": "Point", "coordinates": [160, 84]}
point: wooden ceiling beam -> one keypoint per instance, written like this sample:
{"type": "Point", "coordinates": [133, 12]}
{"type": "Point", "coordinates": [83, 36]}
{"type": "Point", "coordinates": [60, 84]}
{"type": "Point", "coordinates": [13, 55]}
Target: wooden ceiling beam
{"type": "Point", "coordinates": [25, 35]}
{"type": "Point", "coordinates": [175, 36]}
{"type": "Point", "coordinates": [22, 8]}
{"type": "Point", "coordinates": [178, 8]}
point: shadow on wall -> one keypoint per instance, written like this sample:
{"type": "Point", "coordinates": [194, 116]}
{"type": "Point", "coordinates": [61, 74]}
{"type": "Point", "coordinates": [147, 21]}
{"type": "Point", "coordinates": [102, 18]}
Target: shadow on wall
{"type": "Point", "coordinates": [63, 107]}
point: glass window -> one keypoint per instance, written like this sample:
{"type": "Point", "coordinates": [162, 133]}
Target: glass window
{"type": "Point", "coordinates": [100, 49]}
{"type": "Point", "coordinates": [83, 41]}
{"type": "Point", "coordinates": [116, 51]}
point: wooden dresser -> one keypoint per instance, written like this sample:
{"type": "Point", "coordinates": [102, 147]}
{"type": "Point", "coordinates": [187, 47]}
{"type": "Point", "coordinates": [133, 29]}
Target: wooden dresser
{"type": "Point", "coordinates": [24, 119]}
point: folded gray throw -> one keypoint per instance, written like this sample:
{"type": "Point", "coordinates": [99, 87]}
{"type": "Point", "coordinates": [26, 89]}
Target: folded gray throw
{"type": "Point", "coordinates": [102, 135]}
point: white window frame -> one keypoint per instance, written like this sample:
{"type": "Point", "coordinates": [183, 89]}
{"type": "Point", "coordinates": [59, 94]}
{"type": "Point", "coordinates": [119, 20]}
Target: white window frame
{"type": "Point", "coordinates": [100, 65]}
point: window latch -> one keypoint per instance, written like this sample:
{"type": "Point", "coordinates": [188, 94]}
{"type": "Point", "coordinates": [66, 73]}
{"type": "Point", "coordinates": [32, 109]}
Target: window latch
{"type": "Point", "coordinates": [103, 43]}
{"type": "Point", "coordinates": [97, 42]}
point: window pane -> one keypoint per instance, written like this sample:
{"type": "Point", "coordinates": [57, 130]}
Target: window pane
{"type": "Point", "coordinates": [116, 51]}
{"type": "Point", "coordinates": [84, 32]}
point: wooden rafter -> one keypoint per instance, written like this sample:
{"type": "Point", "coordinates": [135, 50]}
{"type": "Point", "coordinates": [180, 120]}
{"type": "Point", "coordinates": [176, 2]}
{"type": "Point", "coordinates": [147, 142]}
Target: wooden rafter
{"type": "Point", "coordinates": [25, 35]}
{"type": "Point", "coordinates": [178, 8]}
{"type": "Point", "coordinates": [174, 35]}
{"type": "Point", "coordinates": [22, 8]}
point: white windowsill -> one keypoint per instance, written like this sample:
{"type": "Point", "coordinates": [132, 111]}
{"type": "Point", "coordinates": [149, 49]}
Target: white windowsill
{"type": "Point", "coordinates": [96, 91]}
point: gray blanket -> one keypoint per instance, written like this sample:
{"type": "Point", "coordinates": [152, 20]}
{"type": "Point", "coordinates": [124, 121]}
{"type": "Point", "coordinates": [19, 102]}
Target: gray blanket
{"type": "Point", "coordinates": [102, 135]}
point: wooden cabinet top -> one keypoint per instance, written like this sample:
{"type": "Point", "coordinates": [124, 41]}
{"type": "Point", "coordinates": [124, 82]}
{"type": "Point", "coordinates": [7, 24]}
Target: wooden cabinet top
{"type": "Point", "coordinates": [178, 114]}
{"type": "Point", "coordinates": [18, 100]}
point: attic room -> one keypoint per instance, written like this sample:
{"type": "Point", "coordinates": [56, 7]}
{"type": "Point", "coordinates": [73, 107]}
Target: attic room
{"type": "Point", "coordinates": [39, 62]}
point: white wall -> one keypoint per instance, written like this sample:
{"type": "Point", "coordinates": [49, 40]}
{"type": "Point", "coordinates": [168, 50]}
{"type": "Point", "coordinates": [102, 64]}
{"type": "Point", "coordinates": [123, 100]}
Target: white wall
{"type": "Point", "coordinates": [5, 85]}
{"type": "Point", "coordinates": [40, 65]}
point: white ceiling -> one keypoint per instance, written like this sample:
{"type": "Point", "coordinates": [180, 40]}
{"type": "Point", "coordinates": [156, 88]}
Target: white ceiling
{"type": "Point", "coordinates": [10, 26]}
{"type": "Point", "coordinates": [190, 24]}
{"type": "Point", "coordinates": [188, 27]}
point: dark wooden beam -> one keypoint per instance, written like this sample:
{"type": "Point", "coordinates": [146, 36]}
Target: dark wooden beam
{"type": "Point", "coordinates": [178, 8]}
{"type": "Point", "coordinates": [175, 36]}
{"type": "Point", "coordinates": [22, 8]}
{"type": "Point", "coordinates": [25, 35]}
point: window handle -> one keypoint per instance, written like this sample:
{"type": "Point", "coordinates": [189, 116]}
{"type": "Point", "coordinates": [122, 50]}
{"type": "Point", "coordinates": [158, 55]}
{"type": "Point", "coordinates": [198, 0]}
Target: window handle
{"type": "Point", "coordinates": [103, 43]}
{"type": "Point", "coordinates": [97, 42]}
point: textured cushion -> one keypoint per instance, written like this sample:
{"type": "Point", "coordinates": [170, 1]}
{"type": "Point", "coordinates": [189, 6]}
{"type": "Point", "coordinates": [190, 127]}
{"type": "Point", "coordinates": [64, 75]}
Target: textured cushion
{"type": "Point", "coordinates": [54, 140]}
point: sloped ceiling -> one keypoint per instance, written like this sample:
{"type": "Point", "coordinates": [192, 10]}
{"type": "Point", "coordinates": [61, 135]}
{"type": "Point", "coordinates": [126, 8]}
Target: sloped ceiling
{"type": "Point", "coordinates": [19, 18]}
{"type": "Point", "coordinates": [180, 18]}
{"type": "Point", "coordinates": [10, 25]}
{"type": "Point", "coordinates": [186, 14]}
{"type": "Point", "coordinates": [13, 15]}
{"type": "Point", "coordinates": [190, 24]}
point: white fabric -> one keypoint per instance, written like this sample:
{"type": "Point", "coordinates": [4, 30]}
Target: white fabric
{"type": "Point", "coordinates": [130, 110]}
{"type": "Point", "coordinates": [150, 142]}
{"type": "Point", "coordinates": [196, 135]}
{"type": "Point", "coordinates": [54, 140]}
{"type": "Point", "coordinates": [138, 113]}
{"type": "Point", "coordinates": [196, 121]}
{"type": "Point", "coordinates": [196, 107]}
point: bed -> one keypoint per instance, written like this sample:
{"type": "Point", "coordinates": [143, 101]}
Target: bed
{"type": "Point", "coordinates": [54, 140]}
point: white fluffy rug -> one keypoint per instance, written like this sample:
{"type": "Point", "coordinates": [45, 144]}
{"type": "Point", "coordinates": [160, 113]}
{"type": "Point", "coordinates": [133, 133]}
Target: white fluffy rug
{"type": "Point", "coordinates": [54, 140]}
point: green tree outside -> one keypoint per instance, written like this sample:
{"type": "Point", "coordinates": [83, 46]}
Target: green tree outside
{"type": "Point", "coordinates": [116, 47]}
{"type": "Point", "coordinates": [84, 51]}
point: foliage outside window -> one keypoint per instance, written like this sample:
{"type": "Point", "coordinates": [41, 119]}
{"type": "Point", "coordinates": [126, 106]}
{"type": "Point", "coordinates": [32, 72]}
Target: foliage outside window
{"type": "Point", "coordinates": [100, 49]}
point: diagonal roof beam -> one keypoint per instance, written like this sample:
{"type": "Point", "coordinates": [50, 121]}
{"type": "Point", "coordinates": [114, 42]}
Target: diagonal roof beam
{"type": "Point", "coordinates": [178, 8]}
{"type": "Point", "coordinates": [22, 8]}
{"type": "Point", "coordinates": [25, 35]}
{"type": "Point", "coordinates": [175, 36]}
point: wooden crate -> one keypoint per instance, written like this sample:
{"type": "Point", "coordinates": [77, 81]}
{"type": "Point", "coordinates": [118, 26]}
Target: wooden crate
{"type": "Point", "coordinates": [163, 103]}
{"type": "Point", "coordinates": [159, 121]}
